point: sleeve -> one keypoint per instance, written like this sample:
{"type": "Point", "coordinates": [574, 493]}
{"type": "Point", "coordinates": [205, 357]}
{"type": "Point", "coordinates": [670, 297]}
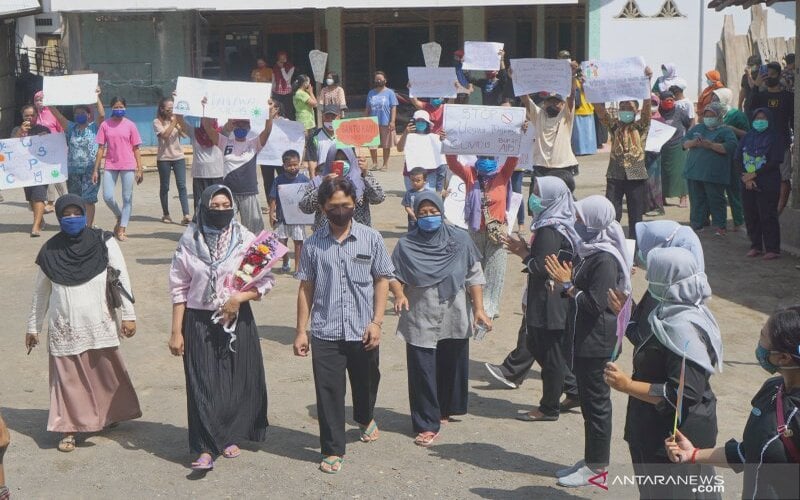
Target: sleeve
{"type": "Point", "coordinates": [307, 271]}
{"type": "Point", "coordinates": [40, 302]}
{"type": "Point", "coordinates": [222, 142]}
{"type": "Point", "coordinates": [117, 261]}
{"type": "Point", "coordinates": [394, 101]}
{"type": "Point", "coordinates": [136, 139]}
{"type": "Point", "coordinates": [101, 135]}
{"type": "Point", "coordinates": [738, 155]}
{"type": "Point", "coordinates": [509, 166]}
{"type": "Point", "coordinates": [264, 284]}
{"type": "Point", "coordinates": [695, 384]}
{"type": "Point", "coordinates": [381, 263]}
{"type": "Point", "coordinates": [689, 136]}
{"type": "Point", "coordinates": [158, 127]}
{"type": "Point", "coordinates": [456, 167]}
{"type": "Point", "coordinates": [254, 143]}
{"type": "Point", "coordinates": [341, 98]}
{"type": "Point", "coordinates": [533, 110]}
{"type": "Point", "coordinates": [734, 455]}
{"type": "Point", "coordinates": [406, 202]}
{"type": "Point", "coordinates": [686, 117]}
{"type": "Point", "coordinates": [180, 279]}
{"type": "Point", "coordinates": [730, 143]}
{"type": "Point", "coordinates": [594, 299]}
{"type": "Point", "coordinates": [547, 242]}
{"type": "Point", "coordinates": [475, 275]}
{"type": "Point", "coordinates": [373, 190]}
{"type": "Point", "coordinates": [309, 203]}
{"type": "Point", "coordinates": [302, 96]}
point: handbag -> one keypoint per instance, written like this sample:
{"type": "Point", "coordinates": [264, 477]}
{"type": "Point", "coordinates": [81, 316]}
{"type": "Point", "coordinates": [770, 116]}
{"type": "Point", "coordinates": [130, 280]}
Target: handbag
{"type": "Point", "coordinates": [115, 290]}
{"type": "Point", "coordinates": [495, 229]}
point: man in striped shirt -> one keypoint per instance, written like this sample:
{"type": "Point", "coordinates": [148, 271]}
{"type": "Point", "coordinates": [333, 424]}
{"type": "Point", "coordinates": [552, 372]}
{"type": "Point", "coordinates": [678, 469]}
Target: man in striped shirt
{"type": "Point", "coordinates": [344, 272]}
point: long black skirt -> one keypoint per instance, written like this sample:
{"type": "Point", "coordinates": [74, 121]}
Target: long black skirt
{"type": "Point", "coordinates": [226, 391]}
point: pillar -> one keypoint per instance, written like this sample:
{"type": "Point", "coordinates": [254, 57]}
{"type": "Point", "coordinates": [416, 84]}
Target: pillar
{"type": "Point", "coordinates": [474, 29]}
{"type": "Point", "coordinates": [593, 23]}
{"type": "Point", "coordinates": [333, 29]}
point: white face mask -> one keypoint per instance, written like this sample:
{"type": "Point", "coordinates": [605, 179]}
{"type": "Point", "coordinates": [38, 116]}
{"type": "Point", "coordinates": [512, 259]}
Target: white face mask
{"type": "Point", "coordinates": [329, 81]}
{"type": "Point", "coordinates": [328, 125]}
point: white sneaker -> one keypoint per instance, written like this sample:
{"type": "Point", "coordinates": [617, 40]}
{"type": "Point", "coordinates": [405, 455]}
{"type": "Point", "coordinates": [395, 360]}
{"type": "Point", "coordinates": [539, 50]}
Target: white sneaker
{"type": "Point", "coordinates": [495, 372]}
{"type": "Point", "coordinates": [569, 470]}
{"type": "Point", "coordinates": [580, 477]}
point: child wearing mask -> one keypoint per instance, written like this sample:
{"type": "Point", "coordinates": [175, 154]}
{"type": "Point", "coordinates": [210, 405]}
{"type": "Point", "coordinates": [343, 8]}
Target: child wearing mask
{"type": "Point", "coordinates": [297, 232]}
{"type": "Point", "coordinates": [418, 179]}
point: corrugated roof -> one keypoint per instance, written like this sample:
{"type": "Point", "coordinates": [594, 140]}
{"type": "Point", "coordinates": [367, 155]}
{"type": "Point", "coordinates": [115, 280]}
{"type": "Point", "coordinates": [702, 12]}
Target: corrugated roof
{"type": "Point", "coordinates": [721, 4]}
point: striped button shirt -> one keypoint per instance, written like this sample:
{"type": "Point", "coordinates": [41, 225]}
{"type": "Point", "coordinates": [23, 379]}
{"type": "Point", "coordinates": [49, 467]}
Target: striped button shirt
{"type": "Point", "coordinates": [343, 275]}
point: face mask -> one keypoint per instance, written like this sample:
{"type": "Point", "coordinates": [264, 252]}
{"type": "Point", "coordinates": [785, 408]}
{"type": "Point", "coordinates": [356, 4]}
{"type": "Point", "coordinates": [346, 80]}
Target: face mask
{"type": "Point", "coordinates": [436, 102]}
{"type": "Point", "coordinates": [551, 111]}
{"type": "Point", "coordinates": [486, 166]}
{"type": "Point", "coordinates": [219, 219]}
{"type": "Point", "coordinates": [379, 83]}
{"type": "Point", "coordinates": [709, 82]}
{"type": "Point", "coordinates": [240, 133]}
{"type": "Point", "coordinates": [667, 105]}
{"type": "Point", "coordinates": [657, 290]}
{"type": "Point", "coordinates": [340, 216]}
{"type": "Point", "coordinates": [584, 232]}
{"type": "Point", "coordinates": [710, 122]}
{"type": "Point", "coordinates": [81, 119]}
{"type": "Point", "coordinates": [760, 125]}
{"type": "Point", "coordinates": [73, 225]}
{"type": "Point", "coordinates": [422, 126]}
{"type": "Point", "coordinates": [664, 72]}
{"type": "Point", "coordinates": [772, 82]}
{"type": "Point", "coordinates": [535, 204]}
{"type": "Point", "coordinates": [328, 125]}
{"type": "Point", "coordinates": [345, 167]}
{"type": "Point", "coordinates": [118, 113]}
{"type": "Point", "coordinates": [626, 116]}
{"type": "Point", "coordinates": [762, 355]}
{"type": "Point", "coordinates": [329, 82]}
{"type": "Point", "coordinates": [430, 223]}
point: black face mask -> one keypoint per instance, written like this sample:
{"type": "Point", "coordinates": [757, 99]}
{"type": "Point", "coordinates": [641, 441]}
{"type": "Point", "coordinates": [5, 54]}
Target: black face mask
{"type": "Point", "coordinates": [340, 216]}
{"type": "Point", "coordinates": [219, 219]}
{"type": "Point", "coordinates": [552, 111]}
{"type": "Point", "coordinates": [772, 82]}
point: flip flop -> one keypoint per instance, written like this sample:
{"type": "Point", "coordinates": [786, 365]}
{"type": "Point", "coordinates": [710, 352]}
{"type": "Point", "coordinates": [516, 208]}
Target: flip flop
{"type": "Point", "coordinates": [231, 451]}
{"type": "Point", "coordinates": [67, 444]}
{"type": "Point", "coordinates": [331, 462]}
{"type": "Point", "coordinates": [203, 462]}
{"type": "Point", "coordinates": [368, 433]}
{"type": "Point", "coordinates": [527, 417]}
{"type": "Point", "coordinates": [425, 439]}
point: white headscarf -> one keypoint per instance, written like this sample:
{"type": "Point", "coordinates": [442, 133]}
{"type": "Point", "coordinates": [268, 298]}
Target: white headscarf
{"type": "Point", "coordinates": [671, 78]}
{"type": "Point", "coordinates": [598, 214]}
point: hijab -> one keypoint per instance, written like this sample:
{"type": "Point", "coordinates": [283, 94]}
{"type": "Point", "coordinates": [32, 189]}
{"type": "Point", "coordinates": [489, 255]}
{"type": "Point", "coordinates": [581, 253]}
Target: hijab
{"type": "Point", "coordinates": [559, 208]}
{"type": "Point", "coordinates": [757, 144]}
{"type": "Point", "coordinates": [442, 257]}
{"type": "Point", "coordinates": [682, 320]}
{"type": "Point", "coordinates": [354, 174]}
{"type": "Point", "coordinates": [46, 117]}
{"type": "Point", "coordinates": [725, 97]}
{"type": "Point", "coordinates": [73, 260]}
{"type": "Point", "coordinates": [705, 97]}
{"type": "Point", "coordinates": [670, 78]}
{"type": "Point", "coordinates": [598, 213]}
{"type": "Point", "coordinates": [667, 233]}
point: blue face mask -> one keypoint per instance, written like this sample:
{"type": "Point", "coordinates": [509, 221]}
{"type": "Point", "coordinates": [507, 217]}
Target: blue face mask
{"type": "Point", "coordinates": [118, 113]}
{"type": "Point", "coordinates": [535, 204]}
{"type": "Point", "coordinates": [486, 166]}
{"type": "Point", "coordinates": [81, 119]}
{"type": "Point", "coordinates": [430, 223]}
{"type": "Point", "coordinates": [436, 102]}
{"type": "Point", "coordinates": [760, 125]}
{"type": "Point", "coordinates": [240, 133]}
{"type": "Point", "coordinates": [762, 355]}
{"type": "Point", "coordinates": [584, 232]}
{"type": "Point", "coordinates": [422, 126]}
{"type": "Point", "coordinates": [73, 225]}
{"type": "Point", "coordinates": [626, 116]}
{"type": "Point", "coordinates": [710, 121]}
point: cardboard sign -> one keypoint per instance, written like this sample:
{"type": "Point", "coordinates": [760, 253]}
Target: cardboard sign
{"type": "Point", "coordinates": [525, 161]}
{"type": "Point", "coordinates": [357, 132]}
{"type": "Point", "coordinates": [318, 60]}
{"type": "Point", "coordinates": [537, 75]}
{"type": "Point", "coordinates": [482, 130]}
{"type": "Point", "coordinates": [226, 100]}
{"type": "Point", "coordinates": [431, 52]}
{"type": "Point", "coordinates": [456, 200]}
{"type": "Point", "coordinates": [70, 89]}
{"type": "Point", "coordinates": [290, 196]}
{"type": "Point", "coordinates": [658, 135]}
{"type": "Point", "coordinates": [33, 161]}
{"type": "Point", "coordinates": [513, 207]}
{"type": "Point", "coordinates": [285, 135]}
{"type": "Point", "coordinates": [432, 82]}
{"type": "Point", "coordinates": [424, 150]}
{"type": "Point", "coordinates": [482, 56]}
{"type": "Point", "coordinates": [615, 80]}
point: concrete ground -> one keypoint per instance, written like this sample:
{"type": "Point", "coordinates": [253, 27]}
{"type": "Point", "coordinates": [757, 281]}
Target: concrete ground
{"type": "Point", "coordinates": [487, 454]}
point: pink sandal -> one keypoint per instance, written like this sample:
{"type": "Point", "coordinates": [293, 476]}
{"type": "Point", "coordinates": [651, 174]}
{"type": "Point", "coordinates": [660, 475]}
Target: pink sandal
{"type": "Point", "coordinates": [203, 462]}
{"type": "Point", "coordinates": [231, 451]}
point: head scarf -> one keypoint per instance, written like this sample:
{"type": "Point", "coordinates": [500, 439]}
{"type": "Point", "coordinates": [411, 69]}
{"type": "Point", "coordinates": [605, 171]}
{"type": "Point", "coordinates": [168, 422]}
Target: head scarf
{"type": "Point", "coordinates": [598, 213]}
{"type": "Point", "coordinates": [354, 174]}
{"type": "Point", "coordinates": [73, 260]}
{"type": "Point", "coordinates": [668, 234]}
{"type": "Point", "coordinates": [202, 137]}
{"type": "Point", "coordinates": [671, 78]}
{"type": "Point", "coordinates": [442, 258]}
{"type": "Point", "coordinates": [757, 144]}
{"type": "Point", "coordinates": [559, 209]}
{"type": "Point", "coordinates": [705, 97]}
{"type": "Point", "coordinates": [718, 109]}
{"type": "Point", "coordinates": [46, 117]}
{"type": "Point", "coordinates": [725, 97]}
{"type": "Point", "coordinates": [682, 320]}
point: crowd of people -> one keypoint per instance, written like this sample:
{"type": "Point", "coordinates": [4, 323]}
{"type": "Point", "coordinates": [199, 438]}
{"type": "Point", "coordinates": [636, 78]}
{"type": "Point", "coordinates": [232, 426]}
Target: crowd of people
{"type": "Point", "coordinates": [446, 282]}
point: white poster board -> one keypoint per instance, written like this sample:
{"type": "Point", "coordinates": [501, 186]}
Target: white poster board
{"type": "Point", "coordinates": [33, 161]}
{"type": "Point", "coordinates": [482, 130]}
{"type": "Point", "coordinates": [226, 100]}
{"type": "Point", "coordinates": [525, 161]}
{"type": "Point", "coordinates": [318, 60]}
{"type": "Point", "coordinates": [481, 56]}
{"type": "Point", "coordinates": [423, 150]}
{"type": "Point", "coordinates": [431, 52]}
{"type": "Point", "coordinates": [456, 200]}
{"type": "Point", "coordinates": [513, 207]}
{"type": "Point", "coordinates": [537, 75]}
{"type": "Point", "coordinates": [70, 89]}
{"type": "Point", "coordinates": [290, 196]}
{"type": "Point", "coordinates": [658, 135]}
{"type": "Point", "coordinates": [432, 82]}
{"type": "Point", "coordinates": [615, 80]}
{"type": "Point", "coordinates": [285, 135]}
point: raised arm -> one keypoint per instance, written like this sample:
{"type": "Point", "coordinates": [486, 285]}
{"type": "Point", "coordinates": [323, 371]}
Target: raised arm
{"type": "Point", "coordinates": [101, 111]}
{"type": "Point", "coordinates": [61, 120]}
{"type": "Point", "coordinates": [264, 135]}
{"type": "Point", "coordinates": [211, 132]}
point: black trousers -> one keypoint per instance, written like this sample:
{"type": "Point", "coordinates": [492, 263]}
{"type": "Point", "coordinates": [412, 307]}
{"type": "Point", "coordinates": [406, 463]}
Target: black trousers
{"type": "Point", "coordinates": [595, 397]}
{"type": "Point", "coordinates": [649, 464]}
{"type": "Point", "coordinates": [331, 360]}
{"type": "Point", "coordinates": [566, 174]}
{"type": "Point", "coordinates": [268, 173]}
{"type": "Point", "coordinates": [199, 185]}
{"type": "Point", "coordinates": [546, 346]}
{"type": "Point", "coordinates": [438, 382]}
{"type": "Point", "coordinates": [635, 193]}
{"type": "Point", "coordinates": [761, 219]}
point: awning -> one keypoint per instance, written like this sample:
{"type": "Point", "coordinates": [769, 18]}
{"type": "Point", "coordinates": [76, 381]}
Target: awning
{"type": "Point", "coordinates": [721, 4]}
{"type": "Point", "coordinates": [19, 8]}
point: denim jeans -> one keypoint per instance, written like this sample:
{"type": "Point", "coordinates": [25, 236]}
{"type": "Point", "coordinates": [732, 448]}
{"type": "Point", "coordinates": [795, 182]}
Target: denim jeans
{"type": "Point", "coordinates": [109, 183]}
{"type": "Point", "coordinates": [164, 169]}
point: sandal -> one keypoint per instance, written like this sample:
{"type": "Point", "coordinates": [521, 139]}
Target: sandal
{"type": "Point", "coordinates": [334, 465]}
{"type": "Point", "coordinates": [231, 451]}
{"type": "Point", "coordinates": [67, 444]}
{"type": "Point", "coordinates": [370, 433]}
{"type": "Point", "coordinates": [203, 462]}
{"type": "Point", "coordinates": [186, 220]}
{"type": "Point", "coordinates": [425, 439]}
{"type": "Point", "coordinates": [166, 219]}
{"type": "Point", "coordinates": [120, 234]}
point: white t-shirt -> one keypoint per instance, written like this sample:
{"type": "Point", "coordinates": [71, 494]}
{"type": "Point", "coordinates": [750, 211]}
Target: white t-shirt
{"type": "Point", "coordinates": [553, 145]}
{"type": "Point", "coordinates": [206, 161]}
{"type": "Point", "coordinates": [687, 105]}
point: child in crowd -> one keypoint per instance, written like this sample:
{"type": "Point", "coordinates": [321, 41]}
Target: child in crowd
{"type": "Point", "coordinates": [297, 232]}
{"type": "Point", "coordinates": [418, 180]}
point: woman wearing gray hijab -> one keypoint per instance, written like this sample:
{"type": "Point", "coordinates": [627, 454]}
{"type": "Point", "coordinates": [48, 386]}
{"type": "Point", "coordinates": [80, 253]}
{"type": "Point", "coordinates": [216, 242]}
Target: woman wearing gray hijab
{"type": "Point", "coordinates": [680, 325]}
{"type": "Point", "coordinates": [439, 267]}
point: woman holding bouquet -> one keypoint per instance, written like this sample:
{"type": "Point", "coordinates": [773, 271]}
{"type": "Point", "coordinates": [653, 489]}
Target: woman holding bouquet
{"type": "Point", "coordinates": [225, 384]}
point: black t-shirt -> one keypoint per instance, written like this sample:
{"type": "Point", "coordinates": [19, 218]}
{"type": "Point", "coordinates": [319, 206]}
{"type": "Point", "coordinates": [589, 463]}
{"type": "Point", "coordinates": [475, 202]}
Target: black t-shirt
{"type": "Point", "coordinates": [546, 309]}
{"type": "Point", "coordinates": [781, 105]}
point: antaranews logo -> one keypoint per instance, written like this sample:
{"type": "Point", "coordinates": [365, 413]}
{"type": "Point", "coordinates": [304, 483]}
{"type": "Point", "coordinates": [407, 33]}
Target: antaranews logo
{"type": "Point", "coordinates": [697, 482]}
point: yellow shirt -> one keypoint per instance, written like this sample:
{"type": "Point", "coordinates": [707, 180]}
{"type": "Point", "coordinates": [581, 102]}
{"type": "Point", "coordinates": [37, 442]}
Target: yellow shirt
{"type": "Point", "coordinates": [586, 108]}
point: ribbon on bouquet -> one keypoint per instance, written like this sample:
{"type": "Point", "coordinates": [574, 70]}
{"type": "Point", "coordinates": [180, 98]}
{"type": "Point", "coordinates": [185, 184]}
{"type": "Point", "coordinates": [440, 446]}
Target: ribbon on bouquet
{"type": "Point", "coordinates": [230, 328]}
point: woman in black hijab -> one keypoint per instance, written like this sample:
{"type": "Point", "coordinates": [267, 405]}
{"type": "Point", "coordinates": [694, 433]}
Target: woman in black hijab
{"type": "Point", "coordinates": [89, 385]}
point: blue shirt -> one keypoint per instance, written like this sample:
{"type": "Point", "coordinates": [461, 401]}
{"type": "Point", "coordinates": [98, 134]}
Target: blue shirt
{"type": "Point", "coordinates": [82, 147]}
{"type": "Point", "coordinates": [273, 192]}
{"type": "Point", "coordinates": [381, 104]}
{"type": "Point", "coordinates": [344, 276]}
{"type": "Point", "coordinates": [411, 196]}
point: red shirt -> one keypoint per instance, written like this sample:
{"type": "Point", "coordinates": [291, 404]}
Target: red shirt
{"type": "Point", "coordinates": [496, 187]}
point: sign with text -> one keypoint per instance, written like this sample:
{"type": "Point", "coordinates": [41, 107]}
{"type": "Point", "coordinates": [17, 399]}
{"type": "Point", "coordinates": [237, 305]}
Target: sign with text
{"type": "Point", "coordinates": [357, 132]}
{"type": "Point", "coordinates": [70, 89]}
{"type": "Point", "coordinates": [33, 161]}
{"type": "Point", "coordinates": [225, 100]}
{"type": "Point", "coordinates": [432, 82]}
{"type": "Point", "coordinates": [482, 130]}
{"type": "Point", "coordinates": [482, 56]}
{"type": "Point", "coordinates": [290, 196]}
{"type": "Point", "coordinates": [423, 150]}
{"type": "Point", "coordinates": [431, 52]}
{"type": "Point", "coordinates": [615, 80]}
{"type": "Point", "coordinates": [658, 135]}
{"type": "Point", "coordinates": [285, 135]}
{"type": "Point", "coordinates": [537, 75]}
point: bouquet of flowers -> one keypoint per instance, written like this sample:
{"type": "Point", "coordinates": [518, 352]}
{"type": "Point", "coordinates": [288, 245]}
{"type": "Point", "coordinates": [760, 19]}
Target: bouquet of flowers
{"type": "Point", "coordinates": [263, 253]}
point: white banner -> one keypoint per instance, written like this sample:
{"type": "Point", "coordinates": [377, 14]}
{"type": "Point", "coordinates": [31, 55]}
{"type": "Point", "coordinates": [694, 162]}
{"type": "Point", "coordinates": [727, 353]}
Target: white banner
{"type": "Point", "coordinates": [423, 150]}
{"type": "Point", "coordinates": [537, 75]}
{"type": "Point", "coordinates": [615, 80]}
{"type": "Point", "coordinates": [432, 82]}
{"type": "Point", "coordinates": [33, 161]}
{"type": "Point", "coordinates": [482, 56]}
{"type": "Point", "coordinates": [285, 135]}
{"type": "Point", "coordinates": [455, 201]}
{"type": "Point", "coordinates": [290, 196]}
{"type": "Point", "coordinates": [431, 52]}
{"type": "Point", "coordinates": [658, 135]}
{"type": "Point", "coordinates": [226, 100]}
{"type": "Point", "coordinates": [482, 130]}
{"type": "Point", "coordinates": [70, 89]}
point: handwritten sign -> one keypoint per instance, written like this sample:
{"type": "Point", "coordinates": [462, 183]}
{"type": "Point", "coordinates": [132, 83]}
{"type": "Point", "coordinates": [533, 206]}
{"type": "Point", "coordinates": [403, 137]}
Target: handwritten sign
{"type": "Point", "coordinates": [456, 200]}
{"type": "Point", "coordinates": [537, 75]}
{"type": "Point", "coordinates": [70, 89]}
{"type": "Point", "coordinates": [482, 56]}
{"type": "Point", "coordinates": [482, 130]}
{"type": "Point", "coordinates": [658, 135]}
{"type": "Point", "coordinates": [431, 52]}
{"type": "Point", "coordinates": [285, 135]}
{"type": "Point", "coordinates": [432, 82]}
{"type": "Point", "coordinates": [33, 161]}
{"type": "Point", "coordinates": [357, 132]}
{"type": "Point", "coordinates": [226, 100]}
{"type": "Point", "coordinates": [290, 196]}
{"type": "Point", "coordinates": [424, 150]}
{"type": "Point", "coordinates": [318, 60]}
{"type": "Point", "coordinates": [525, 161]}
{"type": "Point", "coordinates": [615, 80]}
